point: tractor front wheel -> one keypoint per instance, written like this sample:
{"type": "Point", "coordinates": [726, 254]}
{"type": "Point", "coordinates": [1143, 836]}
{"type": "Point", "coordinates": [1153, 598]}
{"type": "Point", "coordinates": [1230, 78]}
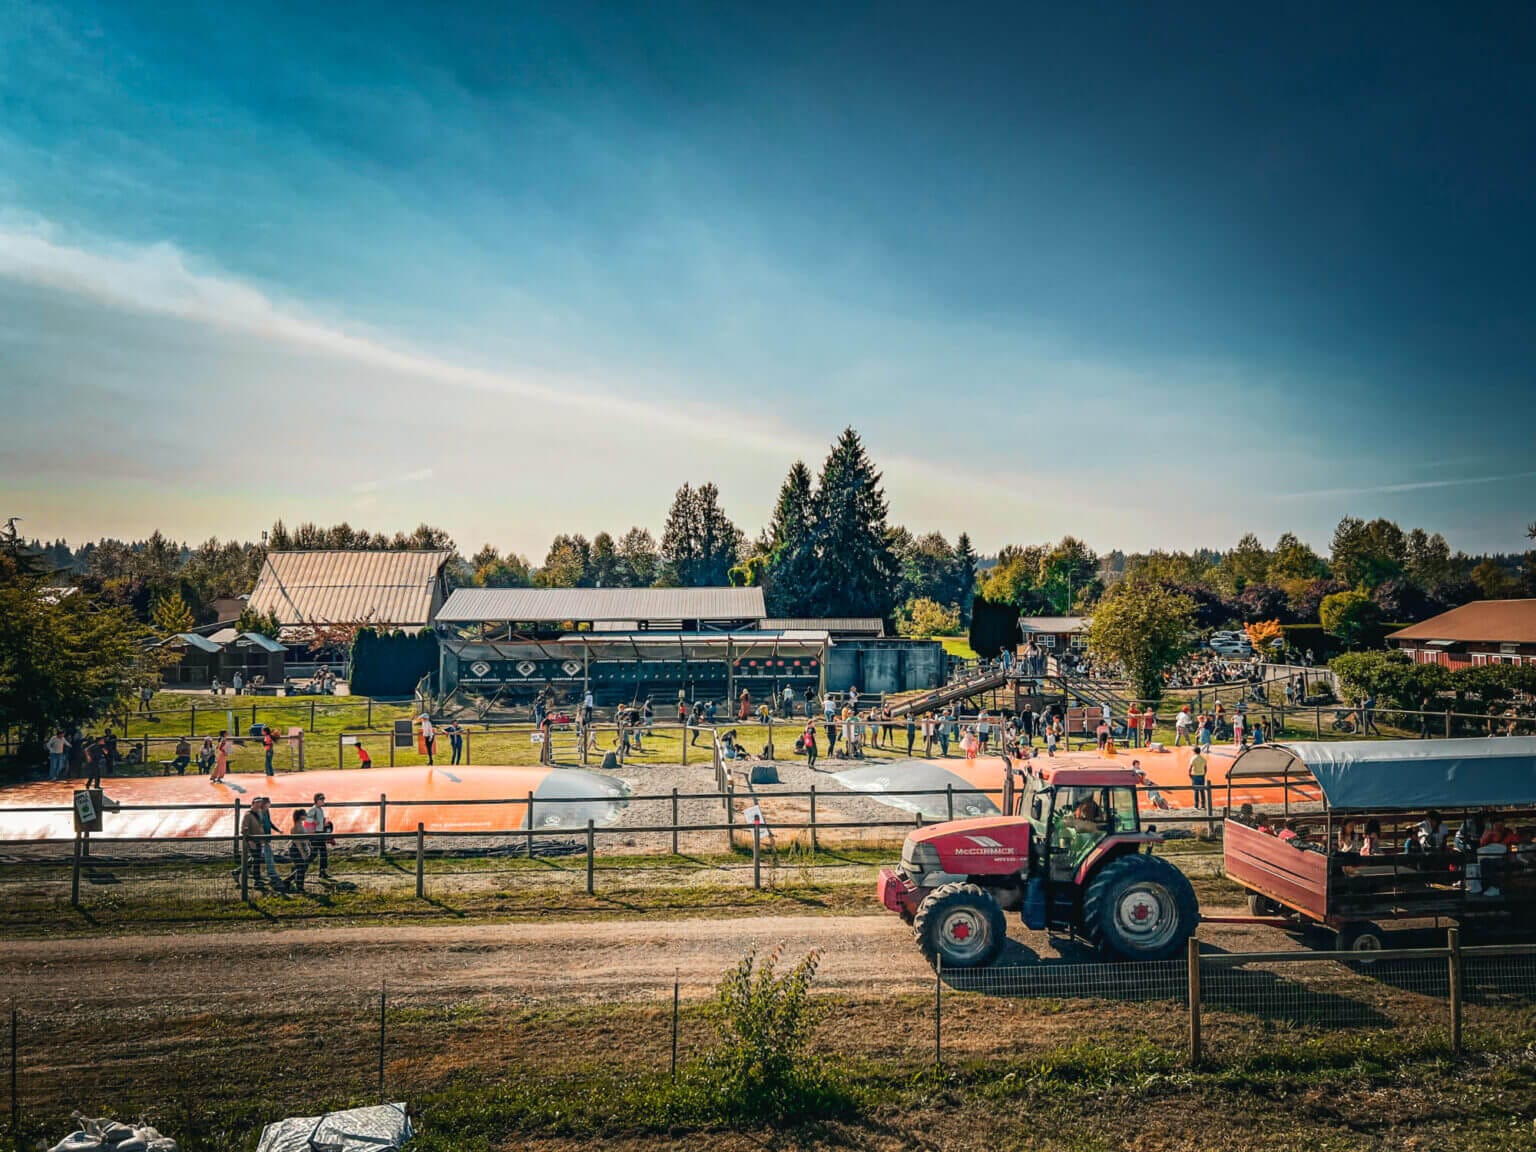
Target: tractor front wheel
{"type": "Point", "coordinates": [1140, 908]}
{"type": "Point", "coordinates": [961, 925]}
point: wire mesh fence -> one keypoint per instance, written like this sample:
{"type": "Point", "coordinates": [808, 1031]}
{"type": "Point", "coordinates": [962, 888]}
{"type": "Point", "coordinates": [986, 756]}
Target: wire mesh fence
{"type": "Point", "coordinates": [208, 1056]}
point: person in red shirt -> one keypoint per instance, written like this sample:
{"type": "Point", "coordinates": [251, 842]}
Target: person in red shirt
{"type": "Point", "coordinates": [364, 760]}
{"type": "Point", "coordinates": [268, 744]}
{"type": "Point", "coordinates": [1500, 833]}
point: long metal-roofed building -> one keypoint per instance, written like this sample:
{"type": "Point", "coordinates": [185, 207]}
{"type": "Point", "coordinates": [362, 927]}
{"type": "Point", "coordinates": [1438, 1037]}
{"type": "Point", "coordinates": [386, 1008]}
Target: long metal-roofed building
{"type": "Point", "coordinates": [622, 643]}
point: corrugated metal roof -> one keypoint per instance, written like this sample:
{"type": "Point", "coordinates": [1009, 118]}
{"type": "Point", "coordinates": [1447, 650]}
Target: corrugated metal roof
{"type": "Point", "coordinates": [863, 625]}
{"type": "Point", "coordinates": [538, 605]}
{"type": "Point", "coordinates": [343, 587]}
{"type": "Point", "coordinates": [1482, 621]}
{"type": "Point", "coordinates": [1057, 624]}
{"type": "Point", "coordinates": [193, 640]}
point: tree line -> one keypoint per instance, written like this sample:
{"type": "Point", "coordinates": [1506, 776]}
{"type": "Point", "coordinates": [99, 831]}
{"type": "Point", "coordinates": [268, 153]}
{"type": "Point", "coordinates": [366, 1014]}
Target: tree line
{"type": "Point", "coordinates": [830, 549]}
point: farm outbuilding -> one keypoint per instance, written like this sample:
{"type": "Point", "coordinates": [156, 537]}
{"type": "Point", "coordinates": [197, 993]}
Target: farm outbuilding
{"type": "Point", "coordinates": [221, 655]}
{"type": "Point", "coordinates": [1482, 632]}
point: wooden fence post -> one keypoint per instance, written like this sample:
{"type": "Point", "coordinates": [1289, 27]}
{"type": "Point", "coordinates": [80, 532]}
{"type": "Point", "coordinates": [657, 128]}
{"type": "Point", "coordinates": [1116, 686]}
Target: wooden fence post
{"type": "Point", "coordinates": [730, 816]}
{"type": "Point", "coordinates": [757, 853]}
{"type": "Point", "coordinates": [383, 825]}
{"type": "Point", "coordinates": [237, 830]}
{"type": "Point", "coordinates": [1318, 719]}
{"type": "Point", "coordinates": [1447, 723]}
{"type": "Point", "coordinates": [676, 996]}
{"type": "Point", "coordinates": [674, 822]}
{"type": "Point", "coordinates": [1453, 954]}
{"type": "Point", "coordinates": [383, 1007]}
{"type": "Point", "coordinates": [245, 874]}
{"type": "Point", "coordinates": [684, 735]}
{"type": "Point", "coordinates": [311, 715]}
{"type": "Point", "coordinates": [1194, 1002]}
{"type": "Point", "coordinates": [938, 1011]}
{"type": "Point", "coordinates": [949, 798]}
{"type": "Point", "coordinates": [591, 846]}
{"type": "Point", "coordinates": [813, 818]}
{"type": "Point", "coordinates": [421, 853]}
{"type": "Point", "coordinates": [74, 880]}
{"type": "Point", "coordinates": [340, 739]}
{"type": "Point", "coordinates": [530, 823]}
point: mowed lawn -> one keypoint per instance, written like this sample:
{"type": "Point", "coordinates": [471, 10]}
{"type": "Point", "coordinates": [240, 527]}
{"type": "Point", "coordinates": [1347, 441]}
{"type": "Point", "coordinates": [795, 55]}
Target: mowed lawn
{"type": "Point", "coordinates": [333, 724]}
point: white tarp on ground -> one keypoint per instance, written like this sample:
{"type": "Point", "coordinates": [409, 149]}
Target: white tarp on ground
{"type": "Point", "coordinates": [384, 1128]}
{"type": "Point", "coordinates": [109, 1135]}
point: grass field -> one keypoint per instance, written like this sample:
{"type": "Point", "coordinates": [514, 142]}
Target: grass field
{"type": "Point", "coordinates": [481, 1073]}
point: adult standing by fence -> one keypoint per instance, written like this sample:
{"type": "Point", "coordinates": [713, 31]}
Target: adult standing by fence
{"type": "Point", "coordinates": [808, 742]}
{"type": "Point", "coordinates": [428, 734]}
{"type": "Point", "coordinates": [58, 754]}
{"type": "Point", "coordinates": [320, 829]}
{"type": "Point", "coordinates": [268, 744]}
{"type": "Point", "coordinates": [1197, 769]}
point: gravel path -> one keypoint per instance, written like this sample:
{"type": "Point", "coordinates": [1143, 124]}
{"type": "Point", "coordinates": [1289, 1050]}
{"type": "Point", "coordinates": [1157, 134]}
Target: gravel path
{"type": "Point", "coordinates": [834, 804]}
{"type": "Point", "coordinates": [529, 961]}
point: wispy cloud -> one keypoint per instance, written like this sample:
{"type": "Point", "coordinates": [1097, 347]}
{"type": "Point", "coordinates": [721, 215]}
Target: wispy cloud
{"type": "Point", "coordinates": [1408, 486]}
{"type": "Point", "coordinates": [415, 476]}
{"type": "Point", "coordinates": [159, 279]}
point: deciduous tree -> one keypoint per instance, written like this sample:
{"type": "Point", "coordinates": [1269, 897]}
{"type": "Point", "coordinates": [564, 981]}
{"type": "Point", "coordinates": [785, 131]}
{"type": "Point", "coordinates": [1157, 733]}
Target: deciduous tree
{"type": "Point", "coordinates": [1146, 630]}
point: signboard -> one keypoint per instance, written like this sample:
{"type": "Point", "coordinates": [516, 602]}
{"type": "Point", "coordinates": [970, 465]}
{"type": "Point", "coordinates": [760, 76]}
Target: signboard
{"type": "Point", "coordinates": [404, 737]}
{"type": "Point", "coordinates": [88, 810]}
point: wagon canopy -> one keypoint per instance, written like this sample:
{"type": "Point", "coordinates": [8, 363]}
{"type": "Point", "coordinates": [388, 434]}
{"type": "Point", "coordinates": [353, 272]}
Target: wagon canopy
{"type": "Point", "coordinates": [1407, 775]}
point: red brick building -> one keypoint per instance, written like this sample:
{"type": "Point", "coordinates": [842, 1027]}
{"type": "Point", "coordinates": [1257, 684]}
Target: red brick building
{"type": "Point", "coordinates": [1483, 632]}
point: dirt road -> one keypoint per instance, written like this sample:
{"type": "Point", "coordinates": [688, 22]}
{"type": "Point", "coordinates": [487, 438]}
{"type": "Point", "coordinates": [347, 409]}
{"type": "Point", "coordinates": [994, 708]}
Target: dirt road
{"type": "Point", "coordinates": [566, 961]}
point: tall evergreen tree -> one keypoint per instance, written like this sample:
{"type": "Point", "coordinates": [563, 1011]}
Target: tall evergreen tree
{"type": "Point", "coordinates": [855, 568]}
{"type": "Point", "coordinates": [699, 543]}
{"type": "Point", "coordinates": [791, 572]}
{"type": "Point", "coordinates": [963, 580]}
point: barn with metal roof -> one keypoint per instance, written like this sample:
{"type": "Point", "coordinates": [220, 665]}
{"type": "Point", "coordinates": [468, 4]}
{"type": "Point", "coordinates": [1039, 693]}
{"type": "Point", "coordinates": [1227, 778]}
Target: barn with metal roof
{"type": "Point", "coordinates": [385, 590]}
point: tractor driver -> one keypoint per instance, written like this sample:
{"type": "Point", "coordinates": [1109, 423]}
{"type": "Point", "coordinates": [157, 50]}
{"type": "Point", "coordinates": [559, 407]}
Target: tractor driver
{"type": "Point", "coordinates": [1077, 831]}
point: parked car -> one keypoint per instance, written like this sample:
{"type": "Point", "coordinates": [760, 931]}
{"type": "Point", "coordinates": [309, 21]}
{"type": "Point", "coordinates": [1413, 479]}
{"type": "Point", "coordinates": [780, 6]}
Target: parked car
{"type": "Point", "coordinates": [1229, 644]}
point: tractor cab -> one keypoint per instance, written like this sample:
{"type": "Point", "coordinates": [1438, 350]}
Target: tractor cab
{"type": "Point", "coordinates": [1073, 811]}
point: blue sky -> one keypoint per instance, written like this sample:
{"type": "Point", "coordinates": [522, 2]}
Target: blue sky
{"type": "Point", "coordinates": [1146, 274]}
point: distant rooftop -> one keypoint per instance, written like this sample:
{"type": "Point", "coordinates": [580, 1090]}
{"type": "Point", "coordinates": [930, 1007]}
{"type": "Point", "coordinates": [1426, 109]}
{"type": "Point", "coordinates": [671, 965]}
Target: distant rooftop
{"type": "Point", "coordinates": [596, 605]}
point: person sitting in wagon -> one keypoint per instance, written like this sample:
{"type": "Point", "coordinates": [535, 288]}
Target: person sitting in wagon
{"type": "Point", "coordinates": [1500, 833]}
{"type": "Point", "coordinates": [1431, 833]}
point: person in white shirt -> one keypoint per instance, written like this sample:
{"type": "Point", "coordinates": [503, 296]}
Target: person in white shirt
{"type": "Point", "coordinates": [1181, 724]}
{"type": "Point", "coordinates": [428, 740]}
{"type": "Point", "coordinates": [58, 755]}
{"type": "Point", "coordinates": [317, 824]}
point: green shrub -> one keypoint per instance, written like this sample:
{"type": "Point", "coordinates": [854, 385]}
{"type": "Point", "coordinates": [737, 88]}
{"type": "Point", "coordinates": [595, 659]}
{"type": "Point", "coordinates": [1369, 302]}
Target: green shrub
{"type": "Point", "coordinates": [763, 1070]}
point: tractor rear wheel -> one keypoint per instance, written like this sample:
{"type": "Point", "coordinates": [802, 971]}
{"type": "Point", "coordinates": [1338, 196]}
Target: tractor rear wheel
{"type": "Point", "coordinates": [960, 924]}
{"type": "Point", "coordinates": [1140, 908]}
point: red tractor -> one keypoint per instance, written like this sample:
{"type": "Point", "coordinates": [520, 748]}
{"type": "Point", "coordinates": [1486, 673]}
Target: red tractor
{"type": "Point", "coordinates": [1070, 856]}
